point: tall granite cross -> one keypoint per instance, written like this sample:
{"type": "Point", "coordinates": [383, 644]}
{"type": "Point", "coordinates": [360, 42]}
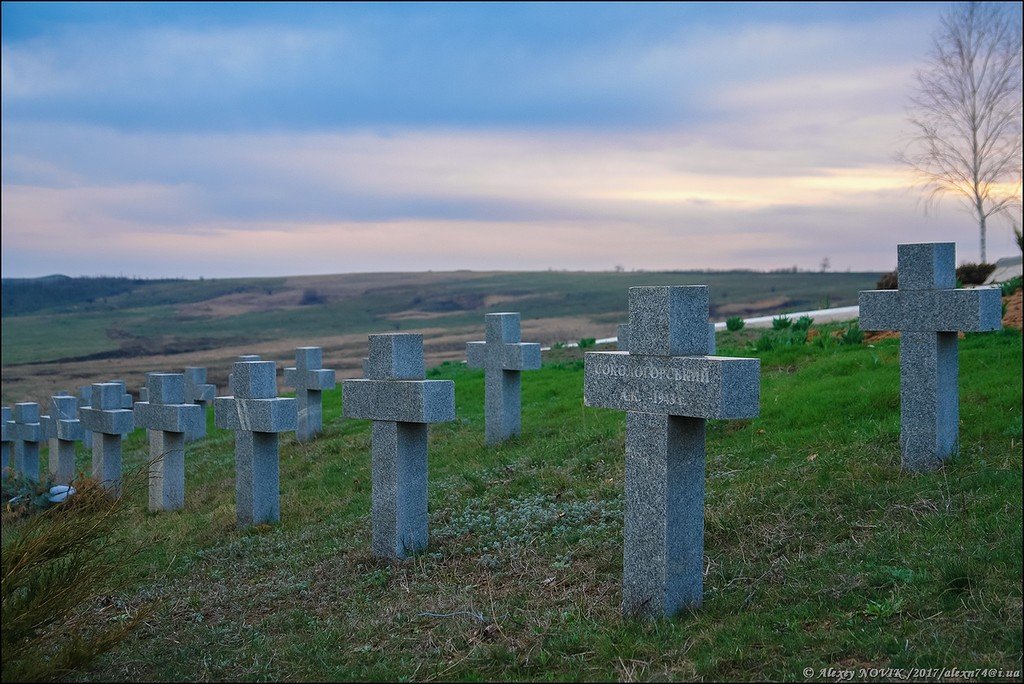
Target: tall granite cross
{"type": "Point", "coordinates": [108, 422]}
{"type": "Point", "coordinates": [200, 392]}
{"type": "Point", "coordinates": [256, 415]}
{"type": "Point", "coordinates": [669, 387]}
{"type": "Point", "coordinates": [310, 379]}
{"type": "Point", "coordinates": [63, 429]}
{"type": "Point", "coordinates": [85, 401]}
{"type": "Point", "coordinates": [6, 439]}
{"type": "Point", "coordinates": [168, 414]}
{"type": "Point", "coordinates": [401, 404]}
{"type": "Point", "coordinates": [503, 357]}
{"type": "Point", "coordinates": [929, 312]}
{"type": "Point", "coordinates": [27, 431]}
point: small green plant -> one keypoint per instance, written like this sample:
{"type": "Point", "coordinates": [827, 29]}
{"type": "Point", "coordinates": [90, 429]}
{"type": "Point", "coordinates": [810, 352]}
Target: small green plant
{"type": "Point", "coordinates": [803, 323]}
{"type": "Point", "coordinates": [766, 342]}
{"type": "Point", "coordinates": [853, 334]}
{"type": "Point", "coordinates": [587, 342]}
{"type": "Point", "coordinates": [558, 345]}
{"type": "Point", "coordinates": [781, 322]}
{"type": "Point", "coordinates": [734, 323]}
{"type": "Point", "coordinates": [824, 341]}
{"type": "Point", "coordinates": [1010, 286]}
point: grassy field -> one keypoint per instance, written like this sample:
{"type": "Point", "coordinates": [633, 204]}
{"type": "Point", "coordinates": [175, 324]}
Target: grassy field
{"type": "Point", "coordinates": [153, 317]}
{"type": "Point", "coordinates": [820, 552]}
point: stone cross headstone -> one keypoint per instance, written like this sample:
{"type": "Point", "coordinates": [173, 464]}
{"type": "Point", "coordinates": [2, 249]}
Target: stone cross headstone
{"type": "Point", "coordinates": [401, 404]}
{"type": "Point", "coordinates": [669, 387]}
{"type": "Point", "coordinates": [126, 398]}
{"type": "Point", "coordinates": [63, 429]}
{"type": "Point", "coordinates": [309, 379]}
{"type": "Point", "coordinates": [241, 359]}
{"type": "Point", "coordinates": [6, 440]}
{"type": "Point", "coordinates": [503, 357]}
{"type": "Point", "coordinates": [929, 312]}
{"type": "Point", "coordinates": [27, 431]}
{"type": "Point", "coordinates": [109, 422]}
{"type": "Point", "coordinates": [256, 415]}
{"type": "Point", "coordinates": [171, 417]}
{"type": "Point", "coordinates": [85, 401]}
{"type": "Point", "coordinates": [200, 392]}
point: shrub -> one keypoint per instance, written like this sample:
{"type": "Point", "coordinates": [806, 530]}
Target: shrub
{"type": "Point", "coordinates": [803, 323]}
{"type": "Point", "coordinates": [310, 296]}
{"type": "Point", "coordinates": [888, 281]}
{"type": "Point", "coordinates": [766, 342]}
{"type": "Point", "coordinates": [54, 565]}
{"type": "Point", "coordinates": [734, 323]}
{"type": "Point", "coordinates": [1010, 286]}
{"type": "Point", "coordinates": [974, 274]}
{"type": "Point", "coordinates": [853, 334]}
{"type": "Point", "coordinates": [781, 322]}
{"type": "Point", "coordinates": [587, 342]}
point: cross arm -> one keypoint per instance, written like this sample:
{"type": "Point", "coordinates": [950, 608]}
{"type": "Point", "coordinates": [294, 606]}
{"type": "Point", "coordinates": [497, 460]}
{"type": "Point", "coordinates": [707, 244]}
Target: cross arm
{"type": "Point", "coordinates": [110, 422]}
{"type": "Point", "coordinates": [168, 417]}
{"type": "Point", "coordinates": [315, 379]}
{"type": "Point", "coordinates": [402, 401]}
{"type": "Point", "coordinates": [256, 415]}
{"type": "Point", "coordinates": [691, 386]}
{"type": "Point", "coordinates": [967, 310]}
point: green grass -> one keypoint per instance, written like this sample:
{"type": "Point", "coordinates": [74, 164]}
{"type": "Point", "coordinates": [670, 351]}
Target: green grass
{"type": "Point", "coordinates": [819, 550]}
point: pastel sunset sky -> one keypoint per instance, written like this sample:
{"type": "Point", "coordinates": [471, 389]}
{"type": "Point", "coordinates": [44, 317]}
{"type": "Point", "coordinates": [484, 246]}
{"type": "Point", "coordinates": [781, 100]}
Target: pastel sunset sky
{"type": "Point", "coordinates": [237, 139]}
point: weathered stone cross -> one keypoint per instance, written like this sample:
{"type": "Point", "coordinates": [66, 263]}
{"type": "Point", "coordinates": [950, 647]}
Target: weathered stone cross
{"type": "Point", "coordinates": [240, 359]}
{"type": "Point", "coordinates": [63, 429]}
{"type": "Point", "coordinates": [669, 387]}
{"type": "Point", "coordinates": [109, 422]}
{"type": "Point", "coordinates": [168, 418]}
{"type": "Point", "coordinates": [200, 392]}
{"type": "Point", "coordinates": [503, 357]}
{"type": "Point", "coordinates": [401, 404]}
{"type": "Point", "coordinates": [256, 415]}
{"type": "Point", "coordinates": [928, 312]}
{"type": "Point", "coordinates": [310, 379]}
{"type": "Point", "coordinates": [27, 431]}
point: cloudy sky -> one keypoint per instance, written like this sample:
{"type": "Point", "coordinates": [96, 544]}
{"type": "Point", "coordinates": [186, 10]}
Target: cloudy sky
{"type": "Point", "coordinates": [240, 139]}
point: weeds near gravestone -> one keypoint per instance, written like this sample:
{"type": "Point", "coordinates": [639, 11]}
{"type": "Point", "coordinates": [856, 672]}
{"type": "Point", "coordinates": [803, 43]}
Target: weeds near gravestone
{"type": "Point", "coordinates": [803, 323]}
{"type": "Point", "coordinates": [734, 323]}
{"type": "Point", "coordinates": [1010, 286]}
{"type": "Point", "coordinates": [781, 322]}
{"type": "Point", "coordinates": [56, 566]}
{"type": "Point", "coordinates": [587, 342]}
{"type": "Point", "coordinates": [853, 334]}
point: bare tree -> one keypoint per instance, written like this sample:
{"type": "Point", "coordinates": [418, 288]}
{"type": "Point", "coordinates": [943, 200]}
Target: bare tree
{"type": "Point", "coordinates": [966, 113]}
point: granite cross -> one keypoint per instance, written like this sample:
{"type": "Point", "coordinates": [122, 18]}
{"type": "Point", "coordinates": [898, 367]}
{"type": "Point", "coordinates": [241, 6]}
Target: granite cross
{"type": "Point", "coordinates": [168, 417]}
{"type": "Point", "coordinates": [5, 439]}
{"type": "Point", "coordinates": [27, 432]}
{"type": "Point", "coordinates": [401, 404]}
{"type": "Point", "coordinates": [929, 312]}
{"type": "Point", "coordinates": [310, 379]}
{"type": "Point", "coordinates": [63, 429]}
{"type": "Point", "coordinates": [669, 387]}
{"type": "Point", "coordinates": [503, 357]}
{"type": "Point", "coordinates": [256, 415]}
{"type": "Point", "coordinates": [200, 392]}
{"type": "Point", "coordinates": [109, 422]}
